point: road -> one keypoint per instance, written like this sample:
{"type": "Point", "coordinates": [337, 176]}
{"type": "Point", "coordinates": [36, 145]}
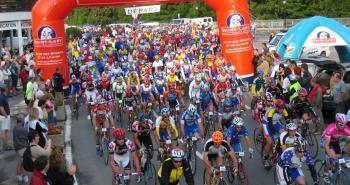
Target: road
{"type": "Point", "coordinates": [92, 171]}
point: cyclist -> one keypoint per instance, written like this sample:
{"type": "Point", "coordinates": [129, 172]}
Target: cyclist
{"type": "Point", "coordinates": [75, 86]}
{"type": "Point", "coordinates": [142, 130]}
{"type": "Point", "coordinates": [146, 93]}
{"type": "Point", "coordinates": [133, 82]}
{"type": "Point", "coordinates": [235, 97]}
{"type": "Point", "coordinates": [226, 115]}
{"type": "Point", "coordinates": [119, 154]}
{"type": "Point", "coordinates": [195, 88]}
{"type": "Point", "coordinates": [90, 97]}
{"type": "Point", "coordinates": [172, 97]}
{"type": "Point", "coordinates": [288, 137]}
{"type": "Point", "coordinates": [275, 89]}
{"type": "Point", "coordinates": [107, 96]}
{"type": "Point", "coordinates": [173, 168]}
{"type": "Point", "coordinates": [100, 115]}
{"type": "Point", "coordinates": [257, 86]}
{"type": "Point", "coordinates": [207, 101]}
{"type": "Point", "coordinates": [235, 133]}
{"type": "Point", "coordinates": [119, 89]}
{"type": "Point", "coordinates": [289, 164]}
{"type": "Point", "coordinates": [301, 107]}
{"type": "Point", "coordinates": [273, 127]}
{"type": "Point", "coordinates": [165, 125]}
{"type": "Point", "coordinates": [191, 123]}
{"type": "Point", "coordinates": [215, 149]}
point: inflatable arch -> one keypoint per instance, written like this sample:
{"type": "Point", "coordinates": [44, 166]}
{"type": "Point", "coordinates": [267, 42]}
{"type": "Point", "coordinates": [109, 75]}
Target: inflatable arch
{"type": "Point", "coordinates": [315, 32]}
{"type": "Point", "coordinates": [50, 43]}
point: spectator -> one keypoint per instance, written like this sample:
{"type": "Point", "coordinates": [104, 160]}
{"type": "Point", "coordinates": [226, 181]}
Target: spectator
{"type": "Point", "coordinates": [286, 82]}
{"type": "Point", "coordinates": [297, 72]}
{"type": "Point", "coordinates": [23, 75]}
{"type": "Point", "coordinates": [264, 65]}
{"type": "Point", "coordinates": [29, 95]}
{"type": "Point", "coordinates": [34, 123]}
{"type": "Point", "coordinates": [7, 77]}
{"type": "Point", "coordinates": [20, 142]}
{"type": "Point", "coordinates": [305, 77]}
{"type": "Point", "coordinates": [315, 97]}
{"type": "Point", "coordinates": [31, 72]}
{"type": "Point", "coordinates": [272, 35]}
{"type": "Point", "coordinates": [5, 120]}
{"type": "Point", "coordinates": [256, 60]}
{"type": "Point", "coordinates": [264, 49]}
{"type": "Point", "coordinates": [14, 76]}
{"type": "Point", "coordinates": [339, 88]}
{"type": "Point", "coordinates": [58, 172]}
{"type": "Point", "coordinates": [279, 75]}
{"type": "Point", "coordinates": [37, 150]}
{"type": "Point", "coordinates": [41, 166]}
{"type": "Point", "coordinates": [58, 81]}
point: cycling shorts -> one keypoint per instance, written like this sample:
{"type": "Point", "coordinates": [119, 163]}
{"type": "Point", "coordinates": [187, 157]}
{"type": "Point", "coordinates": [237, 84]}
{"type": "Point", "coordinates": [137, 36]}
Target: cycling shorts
{"type": "Point", "coordinates": [237, 147]}
{"type": "Point", "coordinates": [191, 129]}
{"type": "Point", "coordinates": [163, 134]}
{"type": "Point", "coordinates": [75, 91]}
{"type": "Point", "coordinates": [146, 141]}
{"type": "Point", "coordinates": [123, 161]}
{"type": "Point", "coordinates": [273, 129]}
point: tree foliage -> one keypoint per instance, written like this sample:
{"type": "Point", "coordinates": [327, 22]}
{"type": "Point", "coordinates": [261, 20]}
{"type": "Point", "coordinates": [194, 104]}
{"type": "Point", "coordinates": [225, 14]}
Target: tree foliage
{"type": "Point", "coordinates": [259, 9]}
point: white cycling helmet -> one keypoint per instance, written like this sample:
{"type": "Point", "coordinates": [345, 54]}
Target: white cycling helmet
{"type": "Point", "coordinates": [291, 126]}
{"type": "Point", "coordinates": [238, 121]}
{"type": "Point", "coordinates": [177, 153]}
{"type": "Point", "coordinates": [341, 118]}
{"type": "Point", "coordinates": [192, 109]}
{"type": "Point", "coordinates": [222, 79]}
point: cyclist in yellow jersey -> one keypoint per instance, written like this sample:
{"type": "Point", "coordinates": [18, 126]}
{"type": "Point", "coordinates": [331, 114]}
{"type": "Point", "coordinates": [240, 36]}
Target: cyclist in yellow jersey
{"type": "Point", "coordinates": [165, 125]}
{"type": "Point", "coordinates": [174, 168]}
{"type": "Point", "coordinates": [133, 82]}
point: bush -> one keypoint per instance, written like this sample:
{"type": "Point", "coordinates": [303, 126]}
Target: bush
{"type": "Point", "coordinates": [74, 32]}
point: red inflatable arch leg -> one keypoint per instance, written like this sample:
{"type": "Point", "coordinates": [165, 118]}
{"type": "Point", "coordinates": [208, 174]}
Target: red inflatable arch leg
{"type": "Point", "coordinates": [50, 43]}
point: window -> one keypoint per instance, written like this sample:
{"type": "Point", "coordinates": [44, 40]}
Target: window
{"type": "Point", "coordinates": [346, 78]}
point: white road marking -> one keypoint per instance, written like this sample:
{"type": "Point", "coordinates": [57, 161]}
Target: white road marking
{"type": "Point", "coordinates": [199, 155]}
{"type": "Point", "coordinates": [68, 140]}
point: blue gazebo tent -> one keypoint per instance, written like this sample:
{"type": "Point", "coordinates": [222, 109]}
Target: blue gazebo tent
{"type": "Point", "coordinates": [315, 32]}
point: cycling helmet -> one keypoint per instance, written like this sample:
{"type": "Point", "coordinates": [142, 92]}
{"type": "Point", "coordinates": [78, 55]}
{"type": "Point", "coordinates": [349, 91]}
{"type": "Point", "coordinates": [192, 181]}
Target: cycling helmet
{"type": "Point", "coordinates": [291, 126]}
{"type": "Point", "coordinates": [292, 77]}
{"type": "Point", "coordinates": [217, 136]}
{"type": "Point", "coordinates": [260, 107]}
{"type": "Point", "coordinates": [192, 109]}
{"type": "Point", "coordinates": [341, 119]}
{"type": "Point", "coordinates": [177, 153]}
{"type": "Point", "coordinates": [165, 111]}
{"type": "Point", "coordinates": [119, 133]}
{"type": "Point", "coordinates": [273, 82]}
{"type": "Point", "coordinates": [101, 101]}
{"type": "Point", "coordinates": [120, 79]}
{"type": "Point", "coordinates": [302, 92]}
{"type": "Point", "coordinates": [128, 93]}
{"type": "Point", "coordinates": [260, 72]}
{"type": "Point", "coordinates": [227, 103]}
{"type": "Point", "coordinates": [300, 144]}
{"type": "Point", "coordinates": [268, 96]}
{"type": "Point", "coordinates": [205, 87]}
{"type": "Point", "coordinates": [88, 78]}
{"type": "Point", "coordinates": [279, 103]}
{"type": "Point", "coordinates": [74, 77]}
{"type": "Point", "coordinates": [143, 117]}
{"type": "Point", "coordinates": [238, 121]}
{"type": "Point", "coordinates": [234, 86]}
{"type": "Point", "coordinates": [198, 78]}
{"type": "Point", "coordinates": [147, 81]}
{"type": "Point", "coordinates": [104, 78]}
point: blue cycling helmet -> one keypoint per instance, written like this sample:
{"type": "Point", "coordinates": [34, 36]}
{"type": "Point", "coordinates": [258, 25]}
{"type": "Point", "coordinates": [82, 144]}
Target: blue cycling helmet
{"type": "Point", "coordinates": [205, 87]}
{"type": "Point", "coordinates": [165, 111]}
{"type": "Point", "coordinates": [260, 72]}
{"type": "Point", "coordinates": [143, 117]}
{"type": "Point", "coordinates": [227, 103]}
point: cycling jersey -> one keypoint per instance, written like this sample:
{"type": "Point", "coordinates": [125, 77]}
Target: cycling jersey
{"type": "Point", "coordinates": [172, 96]}
{"type": "Point", "coordinates": [334, 133]}
{"type": "Point", "coordinates": [75, 87]}
{"type": "Point", "coordinates": [289, 159]}
{"type": "Point", "coordinates": [258, 86]}
{"type": "Point", "coordinates": [172, 78]}
{"type": "Point", "coordinates": [220, 151]}
{"type": "Point", "coordinates": [170, 175]}
{"type": "Point", "coordinates": [164, 128]}
{"type": "Point", "coordinates": [145, 92]}
{"type": "Point", "coordinates": [222, 87]}
{"type": "Point", "coordinates": [143, 130]}
{"type": "Point", "coordinates": [90, 96]}
{"type": "Point", "coordinates": [121, 153]}
{"type": "Point", "coordinates": [206, 98]}
{"type": "Point", "coordinates": [286, 140]}
{"type": "Point", "coordinates": [236, 137]}
{"type": "Point", "coordinates": [101, 113]}
{"type": "Point", "coordinates": [300, 107]}
{"type": "Point", "coordinates": [194, 89]}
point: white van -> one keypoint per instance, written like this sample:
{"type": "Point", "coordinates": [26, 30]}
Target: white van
{"type": "Point", "coordinates": [181, 21]}
{"type": "Point", "coordinates": [202, 20]}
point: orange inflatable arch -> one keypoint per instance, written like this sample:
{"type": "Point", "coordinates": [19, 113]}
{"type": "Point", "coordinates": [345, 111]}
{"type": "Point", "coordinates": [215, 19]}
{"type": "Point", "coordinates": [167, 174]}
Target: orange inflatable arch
{"type": "Point", "coordinates": [50, 43]}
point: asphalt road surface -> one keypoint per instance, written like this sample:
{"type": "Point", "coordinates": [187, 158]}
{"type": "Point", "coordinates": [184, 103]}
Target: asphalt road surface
{"type": "Point", "coordinates": [92, 170]}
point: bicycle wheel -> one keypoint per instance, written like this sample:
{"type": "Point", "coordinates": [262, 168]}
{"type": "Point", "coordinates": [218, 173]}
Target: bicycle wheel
{"type": "Point", "coordinates": [319, 165]}
{"type": "Point", "coordinates": [150, 174]}
{"type": "Point", "coordinates": [312, 145]}
{"type": "Point", "coordinates": [204, 173]}
{"type": "Point", "coordinates": [243, 174]}
{"type": "Point", "coordinates": [192, 159]}
{"type": "Point", "coordinates": [105, 151]}
{"type": "Point", "coordinates": [230, 175]}
{"type": "Point", "coordinates": [258, 138]}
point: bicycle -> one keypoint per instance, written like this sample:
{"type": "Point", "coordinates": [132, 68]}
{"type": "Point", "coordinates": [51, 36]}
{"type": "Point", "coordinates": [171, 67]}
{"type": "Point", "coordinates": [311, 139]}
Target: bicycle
{"type": "Point", "coordinates": [242, 174]}
{"type": "Point", "coordinates": [120, 111]}
{"type": "Point", "coordinates": [191, 147]}
{"type": "Point", "coordinates": [132, 117]}
{"type": "Point", "coordinates": [104, 142]}
{"type": "Point", "coordinates": [310, 137]}
{"type": "Point", "coordinates": [260, 141]}
{"type": "Point", "coordinates": [75, 106]}
{"type": "Point", "coordinates": [148, 168]}
{"type": "Point", "coordinates": [339, 173]}
{"type": "Point", "coordinates": [124, 179]}
{"type": "Point", "coordinates": [217, 177]}
{"type": "Point", "coordinates": [209, 125]}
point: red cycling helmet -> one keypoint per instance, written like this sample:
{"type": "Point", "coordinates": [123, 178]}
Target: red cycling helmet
{"type": "Point", "coordinates": [128, 93]}
{"type": "Point", "coordinates": [119, 133]}
{"type": "Point", "coordinates": [279, 103]}
{"type": "Point", "coordinates": [88, 78]}
{"type": "Point", "coordinates": [260, 107]}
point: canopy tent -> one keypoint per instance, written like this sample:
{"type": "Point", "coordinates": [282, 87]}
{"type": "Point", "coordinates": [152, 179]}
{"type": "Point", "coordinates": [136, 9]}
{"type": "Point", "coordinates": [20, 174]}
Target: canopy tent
{"type": "Point", "coordinates": [315, 32]}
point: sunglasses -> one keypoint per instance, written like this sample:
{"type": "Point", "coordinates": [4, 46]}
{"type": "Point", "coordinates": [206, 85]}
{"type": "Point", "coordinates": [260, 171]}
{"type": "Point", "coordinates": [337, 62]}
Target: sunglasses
{"type": "Point", "coordinates": [301, 152]}
{"type": "Point", "coordinates": [340, 124]}
{"type": "Point", "coordinates": [177, 162]}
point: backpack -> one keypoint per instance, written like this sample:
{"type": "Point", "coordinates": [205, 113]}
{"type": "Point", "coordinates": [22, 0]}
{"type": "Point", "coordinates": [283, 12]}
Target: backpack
{"type": "Point", "coordinates": [28, 163]}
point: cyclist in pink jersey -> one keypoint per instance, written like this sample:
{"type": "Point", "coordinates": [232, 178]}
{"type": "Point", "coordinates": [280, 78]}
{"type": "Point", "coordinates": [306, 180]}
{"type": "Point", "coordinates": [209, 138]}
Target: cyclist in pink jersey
{"type": "Point", "coordinates": [333, 133]}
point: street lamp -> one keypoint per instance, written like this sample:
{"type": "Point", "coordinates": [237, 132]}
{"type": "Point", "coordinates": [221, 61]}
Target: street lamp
{"type": "Point", "coordinates": [284, 14]}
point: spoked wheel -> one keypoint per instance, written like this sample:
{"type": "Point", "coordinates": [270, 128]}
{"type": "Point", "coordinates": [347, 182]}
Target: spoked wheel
{"type": "Point", "coordinates": [192, 159]}
{"type": "Point", "coordinates": [242, 175]}
{"type": "Point", "coordinates": [341, 179]}
{"type": "Point", "coordinates": [209, 128]}
{"type": "Point", "coordinates": [319, 165]}
{"type": "Point", "coordinates": [150, 174]}
{"type": "Point", "coordinates": [258, 140]}
{"type": "Point", "coordinates": [312, 145]}
{"type": "Point", "coordinates": [105, 151]}
{"type": "Point", "coordinates": [230, 172]}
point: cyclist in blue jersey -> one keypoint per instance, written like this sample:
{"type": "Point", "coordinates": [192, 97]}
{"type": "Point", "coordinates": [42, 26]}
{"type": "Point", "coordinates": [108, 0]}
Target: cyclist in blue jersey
{"type": "Point", "coordinates": [191, 123]}
{"type": "Point", "coordinates": [207, 101]}
{"type": "Point", "coordinates": [235, 133]}
{"type": "Point", "coordinates": [226, 114]}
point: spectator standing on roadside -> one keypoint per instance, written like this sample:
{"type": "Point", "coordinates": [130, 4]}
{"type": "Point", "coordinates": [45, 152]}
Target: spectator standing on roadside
{"type": "Point", "coordinates": [338, 92]}
{"type": "Point", "coordinates": [59, 173]}
{"type": "Point", "coordinates": [7, 77]}
{"type": "Point", "coordinates": [5, 120]}
{"type": "Point", "coordinates": [57, 80]}
{"type": "Point", "coordinates": [272, 35]}
{"type": "Point", "coordinates": [41, 166]}
{"type": "Point", "coordinates": [20, 143]}
{"type": "Point", "coordinates": [35, 124]}
{"type": "Point", "coordinates": [305, 77]}
{"type": "Point", "coordinates": [23, 75]}
{"type": "Point", "coordinates": [315, 97]}
{"type": "Point", "coordinates": [36, 149]}
{"type": "Point", "coordinates": [14, 77]}
{"type": "Point", "coordinates": [29, 94]}
{"type": "Point", "coordinates": [256, 60]}
{"type": "Point", "coordinates": [265, 49]}
{"type": "Point", "coordinates": [31, 72]}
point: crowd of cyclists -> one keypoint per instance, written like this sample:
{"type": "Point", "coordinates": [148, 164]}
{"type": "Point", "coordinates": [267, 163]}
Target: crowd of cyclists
{"type": "Point", "coordinates": [170, 88]}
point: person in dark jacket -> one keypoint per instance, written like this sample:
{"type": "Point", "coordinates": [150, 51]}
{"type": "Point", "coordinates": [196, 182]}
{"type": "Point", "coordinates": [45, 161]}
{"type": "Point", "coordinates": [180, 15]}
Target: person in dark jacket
{"type": "Point", "coordinates": [36, 125]}
{"type": "Point", "coordinates": [306, 77]}
{"type": "Point", "coordinates": [58, 172]}
{"type": "Point", "coordinates": [20, 142]}
{"type": "Point", "coordinates": [41, 166]}
{"type": "Point", "coordinates": [57, 81]}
